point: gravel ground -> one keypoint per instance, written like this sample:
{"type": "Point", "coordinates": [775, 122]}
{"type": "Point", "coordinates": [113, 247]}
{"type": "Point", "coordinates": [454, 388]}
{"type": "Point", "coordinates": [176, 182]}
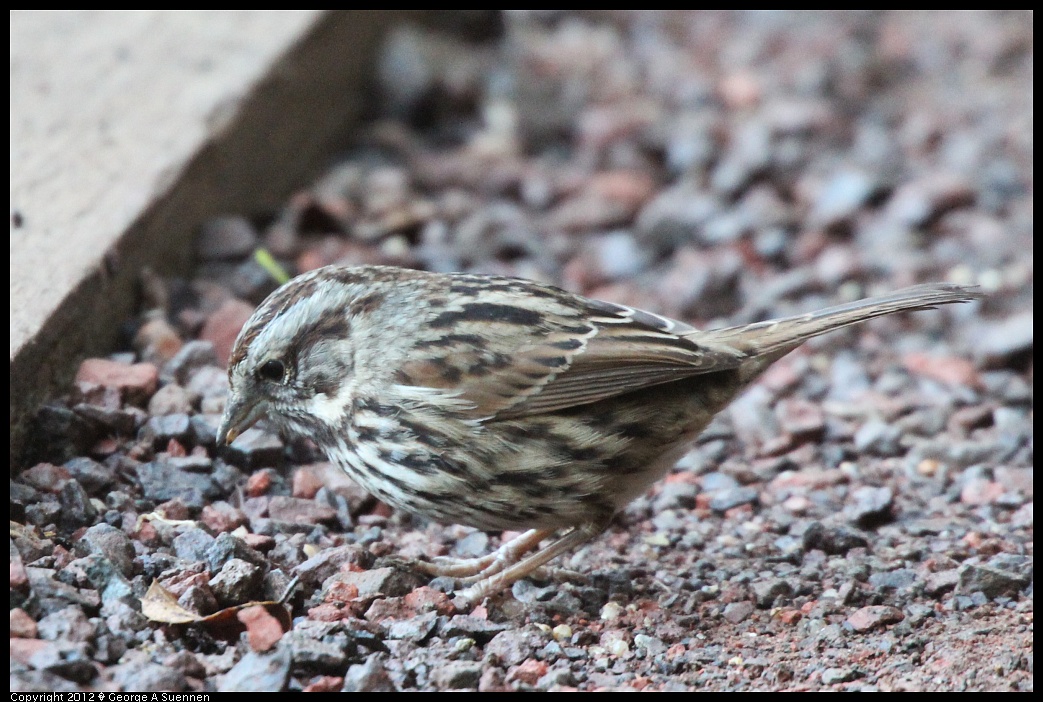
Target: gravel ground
{"type": "Point", "coordinates": [859, 520]}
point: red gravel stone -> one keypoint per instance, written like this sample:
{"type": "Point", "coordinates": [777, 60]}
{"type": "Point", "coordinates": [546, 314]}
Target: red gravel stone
{"type": "Point", "coordinates": [25, 650]}
{"type": "Point", "coordinates": [259, 542]}
{"type": "Point", "coordinates": [528, 672]}
{"type": "Point", "coordinates": [222, 327]}
{"type": "Point", "coordinates": [306, 482]}
{"type": "Point", "coordinates": [325, 683]}
{"type": "Point", "coordinates": [136, 383]}
{"type": "Point", "coordinates": [295, 510]}
{"type": "Point", "coordinates": [980, 491]}
{"type": "Point", "coordinates": [157, 341]}
{"type": "Point", "coordinates": [950, 370]}
{"type": "Point", "coordinates": [45, 476]}
{"type": "Point", "coordinates": [221, 516]}
{"type": "Point", "coordinates": [22, 625]}
{"type": "Point", "coordinates": [262, 629]}
{"type": "Point", "coordinates": [875, 616]}
{"type": "Point", "coordinates": [258, 483]}
{"type": "Point", "coordinates": [425, 599]}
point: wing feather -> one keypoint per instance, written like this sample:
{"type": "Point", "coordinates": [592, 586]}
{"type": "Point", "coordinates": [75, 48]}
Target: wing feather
{"type": "Point", "coordinates": [518, 349]}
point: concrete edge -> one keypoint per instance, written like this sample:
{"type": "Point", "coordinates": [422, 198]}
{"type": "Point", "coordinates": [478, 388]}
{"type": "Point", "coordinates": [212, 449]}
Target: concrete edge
{"type": "Point", "coordinates": [282, 132]}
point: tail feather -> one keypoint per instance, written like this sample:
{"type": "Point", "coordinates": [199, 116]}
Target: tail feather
{"type": "Point", "coordinates": [772, 339]}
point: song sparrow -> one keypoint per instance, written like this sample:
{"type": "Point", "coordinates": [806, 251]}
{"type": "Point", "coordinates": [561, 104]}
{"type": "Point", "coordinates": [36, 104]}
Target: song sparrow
{"type": "Point", "coordinates": [502, 403]}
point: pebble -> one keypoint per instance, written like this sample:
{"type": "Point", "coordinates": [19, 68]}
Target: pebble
{"type": "Point", "coordinates": [157, 341]}
{"type": "Point", "coordinates": [237, 582]}
{"type": "Point", "coordinates": [263, 630]}
{"type": "Point", "coordinates": [46, 476]}
{"type": "Point", "coordinates": [749, 155]}
{"type": "Point", "coordinates": [111, 543]}
{"type": "Point", "coordinates": [768, 591]}
{"type": "Point", "coordinates": [993, 582]}
{"type": "Point", "coordinates": [675, 495]}
{"type": "Point", "coordinates": [512, 646]}
{"type": "Point", "coordinates": [314, 571]}
{"type": "Point", "coordinates": [192, 544]}
{"type": "Point", "coordinates": [172, 399]}
{"type": "Point", "coordinates": [937, 584]}
{"type": "Point", "coordinates": [77, 508]}
{"type": "Point", "coordinates": [295, 510]}
{"type": "Point", "coordinates": [464, 625]}
{"type": "Point", "coordinates": [457, 675]}
{"type": "Point", "coordinates": [69, 660]}
{"type": "Point", "coordinates": [870, 506]}
{"type": "Point", "coordinates": [22, 625]}
{"type": "Point", "coordinates": [258, 672]}
{"type": "Point", "coordinates": [135, 382]}
{"type": "Point", "coordinates": [473, 545]}
{"type": "Point", "coordinates": [222, 327]}
{"type": "Point", "coordinates": [96, 478]}
{"type": "Point", "coordinates": [415, 629]}
{"type": "Point", "coordinates": [69, 624]}
{"type": "Point", "coordinates": [46, 511]}
{"type": "Point", "coordinates": [211, 384]}
{"type": "Point", "coordinates": [736, 612]}
{"type": "Point", "coordinates": [802, 419]}
{"type": "Point", "coordinates": [203, 429]}
{"type": "Point", "coordinates": [980, 491]}
{"type": "Point", "coordinates": [40, 681]}
{"type": "Point", "coordinates": [167, 479]}
{"type": "Point", "coordinates": [874, 617]}
{"type": "Point", "coordinates": [528, 673]}
{"type": "Point", "coordinates": [1000, 343]}
{"type": "Point", "coordinates": [161, 430]}
{"type": "Point", "coordinates": [63, 434]}
{"type": "Point", "coordinates": [249, 280]}
{"type": "Point", "coordinates": [702, 284]}
{"type": "Point", "coordinates": [370, 676]}
{"type": "Point", "coordinates": [833, 540]}
{"type": "Point", "coordinates": [221, 516]}
{"type": "Point", "coordinates": [957, 372]}
{"type": "Point", "coordinates": [733, 497]}
{"type": "Point", "coordinates": [675, 217]}
{"type": "Point", "coordinates": [900, 580]}
{"type": "Point", "coordinates": [752, 417]}
{"type": "Point", "coordinates": [307, 481]}
{"type": "Point", "coordinates": [122, 421]}
{"type": "Point", "coordinates": [227, 547]}
{"type": "Point", "coordinates": [106, 579]}
{"type": "Point", "coordinates": [918, 202]}
{"type": "Point", "coordinates": [388, 582]}
{"type": "Point", "coordinates": [226, 239]}
{"type": "Point", "coordinates": [254, 449]}
{"type": "Point", "coordinates": [833, 676]}
{"type": "Point", "coordinates": [199, 599]}
{"type": "Point", "coordinates": [841, 197]}
{"type": "Point", "coordinates": [193, 355]}
{"type": "Point", "coordinates": [878, 438]}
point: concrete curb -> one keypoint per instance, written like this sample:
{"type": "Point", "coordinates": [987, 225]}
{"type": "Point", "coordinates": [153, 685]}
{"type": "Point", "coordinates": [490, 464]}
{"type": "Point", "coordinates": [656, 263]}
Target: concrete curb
{"type": "Point", "coordinates": [128, 129]}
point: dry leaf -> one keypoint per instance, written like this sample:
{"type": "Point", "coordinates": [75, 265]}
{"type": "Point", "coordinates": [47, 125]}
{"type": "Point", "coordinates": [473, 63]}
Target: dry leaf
{"type": "Point", "coordinates": [159, 605]}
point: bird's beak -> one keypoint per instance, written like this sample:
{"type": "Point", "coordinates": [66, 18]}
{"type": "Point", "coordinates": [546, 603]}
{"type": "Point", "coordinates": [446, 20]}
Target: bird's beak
{"type": "Point", "coordinates": [239, 416]}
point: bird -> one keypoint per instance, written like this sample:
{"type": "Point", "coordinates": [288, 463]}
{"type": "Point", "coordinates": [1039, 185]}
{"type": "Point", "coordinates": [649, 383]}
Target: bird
{"type": "Point", "coordinates": [502, 403]}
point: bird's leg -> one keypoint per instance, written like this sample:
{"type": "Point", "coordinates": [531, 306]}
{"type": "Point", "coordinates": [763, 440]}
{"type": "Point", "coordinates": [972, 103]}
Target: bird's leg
{"type": "Point", "coordinates": [502, 579]}
{"type": "Point", "coordinates": [508, 555]}
{"type": "Point", "coordinates": [489, 564]}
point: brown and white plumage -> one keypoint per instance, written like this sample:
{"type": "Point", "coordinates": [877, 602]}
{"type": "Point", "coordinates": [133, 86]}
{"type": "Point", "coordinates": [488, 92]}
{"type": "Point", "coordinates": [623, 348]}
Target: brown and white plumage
{"type": "Point", "coordinates": [502, 403]}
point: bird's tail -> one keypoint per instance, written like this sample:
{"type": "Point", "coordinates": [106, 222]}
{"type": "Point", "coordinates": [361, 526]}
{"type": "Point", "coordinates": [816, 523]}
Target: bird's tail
{"type": "Point", "coordinates": [772, 339]}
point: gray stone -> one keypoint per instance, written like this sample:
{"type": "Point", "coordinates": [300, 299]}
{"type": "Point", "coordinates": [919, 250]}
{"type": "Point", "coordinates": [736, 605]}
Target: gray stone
{"type": "Point", "coordinates": [369, 676]}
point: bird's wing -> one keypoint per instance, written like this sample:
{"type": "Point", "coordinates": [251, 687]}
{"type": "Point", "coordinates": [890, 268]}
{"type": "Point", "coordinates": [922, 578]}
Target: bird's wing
{"type": "Point", "coordinates": [527, 350]}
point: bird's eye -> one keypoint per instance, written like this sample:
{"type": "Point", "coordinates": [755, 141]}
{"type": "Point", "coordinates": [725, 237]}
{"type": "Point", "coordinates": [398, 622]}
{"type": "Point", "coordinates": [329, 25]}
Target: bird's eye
{"type": "Point", "coordinates": [273, 370]}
